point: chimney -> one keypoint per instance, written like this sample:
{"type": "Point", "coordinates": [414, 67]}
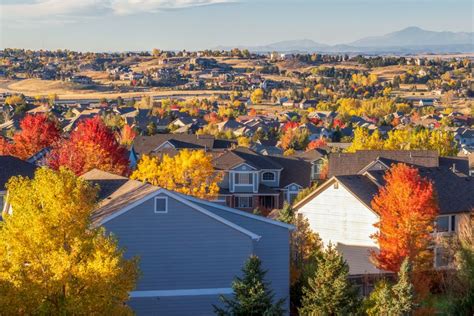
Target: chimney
{"type": "Point", "coordinates": [454, 167]}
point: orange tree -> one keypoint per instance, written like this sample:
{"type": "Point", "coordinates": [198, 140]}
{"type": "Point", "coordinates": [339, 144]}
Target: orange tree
{"type": "Point", "coordinates": [408, 207]}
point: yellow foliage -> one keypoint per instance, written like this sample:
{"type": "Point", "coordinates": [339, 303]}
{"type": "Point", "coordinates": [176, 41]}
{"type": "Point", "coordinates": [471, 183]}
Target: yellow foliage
{"type": "Point", "coordinates": [189, 172]}
{"type": "Point", "coordinates": [257, 96]}
{"type": "Point", "coordinates": [52, 260]}
{"type": "Point", "coordinates": [244, 141]}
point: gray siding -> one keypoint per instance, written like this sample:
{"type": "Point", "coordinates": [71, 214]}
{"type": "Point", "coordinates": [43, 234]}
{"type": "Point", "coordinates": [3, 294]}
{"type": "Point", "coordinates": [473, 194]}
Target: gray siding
{"type": "Point", "coordinates": [182, 249]}
{"type": "Point", "coordinates": [272, 249]}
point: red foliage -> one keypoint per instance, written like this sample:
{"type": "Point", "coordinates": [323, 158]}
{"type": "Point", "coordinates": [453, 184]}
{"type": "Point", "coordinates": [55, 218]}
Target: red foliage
{"type": "Point", "coordinates": [127, 135]}
{"type": "Point", "coordinates": [407, 207]}
{"type": "Point", "coordinates": [5, 146]}
{"type": "Point", "coordinates": [338, 123]}
{"type": "Point", "coordinates": [317, 143]}
{"type": "Point", "coordinates": [91, 145]}
{"type": "Point", "coordinates": [37, 132]}
{"type": "Point", "coordinates": [289, 125]}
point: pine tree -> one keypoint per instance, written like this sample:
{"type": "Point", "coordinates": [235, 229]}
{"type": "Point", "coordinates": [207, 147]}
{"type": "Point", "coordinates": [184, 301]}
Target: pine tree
{"type": "Point", "coordinates": [286, 214]}
{"type": "Point", "coordinates": [380, 301]}
{"type": "Point", "coordinates": [252, 295]}
{"type": "Point", "coordinates": [403, 291]}
{"type": "Point", "coordinates": [329, 292]}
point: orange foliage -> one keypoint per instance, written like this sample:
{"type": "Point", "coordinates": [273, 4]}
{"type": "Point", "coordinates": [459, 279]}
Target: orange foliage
{"type": "Point", "coordinates": [317, 143]}
{"type": "Point", "coordinates": [5, 146]}
{"type": "Point", "coordinates": [407, 207]}
{"type": "Point", "coordinates": [127, 135]}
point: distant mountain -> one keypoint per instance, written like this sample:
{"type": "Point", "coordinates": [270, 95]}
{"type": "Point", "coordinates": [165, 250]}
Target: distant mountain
{"type": "Point", "coordinates": [409, 40]}
{"type": "Point", "coordinates": [415, 36]}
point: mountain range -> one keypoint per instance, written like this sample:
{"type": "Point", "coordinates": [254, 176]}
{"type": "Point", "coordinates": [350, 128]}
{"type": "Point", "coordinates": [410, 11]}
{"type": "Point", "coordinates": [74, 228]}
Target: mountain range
{"type": "Point", "coordinates": [409, 40]}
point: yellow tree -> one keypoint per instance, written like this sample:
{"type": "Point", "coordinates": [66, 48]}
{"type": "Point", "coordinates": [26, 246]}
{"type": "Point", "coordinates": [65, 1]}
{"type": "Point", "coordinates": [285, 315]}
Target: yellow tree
{"type": "Point", "coordinates": [257, 96]}
{"type": "Point", "coordinates": [364, 140]}
{"type": "Point", "coordinates": [189, 172]}
{"type": "Point", "coordinates": [52, 259]}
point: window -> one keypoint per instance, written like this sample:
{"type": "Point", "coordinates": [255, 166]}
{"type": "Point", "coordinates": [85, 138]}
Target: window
{"type": "Point", "coordinates": [244, 178]}
{"type": "Point", "coordinates": [442, 257]}
{"type": "Point", "coordinates": [2, 201]}
{"type": "Point", "coordinates": [268, 176]}
{"type": "Point", "coordinates": [243, 201]}
{"type": "Point", "coordinates": [446, 224]}
{"type": "Point", "coordinates": [161, 204]}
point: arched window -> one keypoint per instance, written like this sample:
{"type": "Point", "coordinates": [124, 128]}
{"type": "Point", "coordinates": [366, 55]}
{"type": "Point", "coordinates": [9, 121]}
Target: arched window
{"type": "Point", "coordinates": [268, 176]}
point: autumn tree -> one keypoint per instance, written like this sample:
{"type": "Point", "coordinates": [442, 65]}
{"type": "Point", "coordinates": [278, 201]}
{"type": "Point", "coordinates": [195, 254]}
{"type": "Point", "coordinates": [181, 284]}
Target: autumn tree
{"type": "Point", "coordinates": [127, 135]}
{"type": "Point", "coordinates": [189, 172]}
{"type": "Point", "coordinates": [91, 145]}
{"type": "Point", "coordinates": [52, 259]}
{"type": "Point", "coordinates": [315, 144]}
{"type": "Point", "coordinates": [257, 96]}
{"type": "Point", "coordinates": [37, 132]}
{"type": "Point", "coordinates": [329, 291]}
{"type": "Point", "coordinates": [5, 146]}
{"type": "Point", "coordinates": [252, 294]}
{"type": "Point", "coordinates": [407, 207]}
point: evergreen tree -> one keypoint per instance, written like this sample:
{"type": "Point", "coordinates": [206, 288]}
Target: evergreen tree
{"type": "Point", "coordinates": [392, 300]}
{"type": "Point", "coordinates": [329, 292]}
{"type": "Point", "coordinates": [286, 214]}
{"type": "Point", "coordinates": [403, 291]}
{"type": "Point", "coordinates": [252, 295]}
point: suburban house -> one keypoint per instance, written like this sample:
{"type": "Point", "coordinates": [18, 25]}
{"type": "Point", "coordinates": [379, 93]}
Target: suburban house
{"type": "Point", "coordinates": [340, 210]}
{"type": "Point", "coordinates": [190, 250]}
{"type": "Point", "coordinates": [252, 180]}
{"type": "Point", "coordinates": [465, 137]}
{"type": "Point", "coordinates": [9, 167]}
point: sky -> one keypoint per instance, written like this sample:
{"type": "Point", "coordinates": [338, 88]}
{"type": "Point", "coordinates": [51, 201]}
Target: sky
{"type": "Point", "coordinates": [135, 25]}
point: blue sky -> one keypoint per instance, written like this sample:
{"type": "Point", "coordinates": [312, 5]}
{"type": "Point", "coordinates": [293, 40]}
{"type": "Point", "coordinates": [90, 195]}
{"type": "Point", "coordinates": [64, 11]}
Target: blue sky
{"type": "Point", "coordinates": [118, 25]}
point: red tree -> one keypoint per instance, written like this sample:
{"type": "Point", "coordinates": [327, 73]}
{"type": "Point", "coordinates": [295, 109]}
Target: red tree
{"type": "Point", "coordinates": [37, 132]}
{"type": "Point", "coordinates": [5, 146]}
{"type": "Point", "coordinates": [91, 145]}
{"type": "Point", "coordinates": [408, 207]}
{"type": "Point", "coordinates": [127, 135]}
{"type": "Point", "coordinates": [317, 143]}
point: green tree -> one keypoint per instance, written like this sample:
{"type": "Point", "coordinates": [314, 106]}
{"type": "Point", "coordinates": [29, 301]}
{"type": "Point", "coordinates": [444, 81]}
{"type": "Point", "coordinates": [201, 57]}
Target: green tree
{"type": "Point", "coordinates": [252, 295]}
{"type": "Point", "coordinates": [329, 291]}
{"type": "Point", "coordinates": [392, 300]}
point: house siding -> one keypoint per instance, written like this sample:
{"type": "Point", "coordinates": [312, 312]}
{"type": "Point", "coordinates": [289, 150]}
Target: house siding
{"type": "Point", "coordinates": [181, 249]}
{"type": "Point", "coordinates": [340, 218]}
{"type": "Point", "coordinates": [272, 248]}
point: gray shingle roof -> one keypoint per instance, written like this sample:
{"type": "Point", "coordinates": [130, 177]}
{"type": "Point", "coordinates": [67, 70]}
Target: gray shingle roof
{"type": "Point", "coordinates": [11, 166]}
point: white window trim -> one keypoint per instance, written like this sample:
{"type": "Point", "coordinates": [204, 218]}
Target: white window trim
{"type": "Point", "coordinates": [251, 175]}
{"type": "Point", "coordinates": [245, 196]}
{"type": "Point", "coordinates": [166, 204]}
{"type": "Point", "coordinates": [450, 224]}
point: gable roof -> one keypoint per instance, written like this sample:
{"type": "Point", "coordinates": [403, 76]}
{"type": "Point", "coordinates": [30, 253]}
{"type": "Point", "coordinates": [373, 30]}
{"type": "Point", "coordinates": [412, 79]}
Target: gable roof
{"type": "Point", "coordinates": [119, 195]}
{"type": "Point", "coordinates": [241, 155]}
{"type": "Point", "coordinates": [146, 144]}
{"type": "Point", "coordinates": [11, 166]}
{"type": "Point", "coordinates": [351, 163]}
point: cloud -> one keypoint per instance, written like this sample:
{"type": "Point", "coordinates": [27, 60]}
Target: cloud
{"type": "Point", "coordinates": [64, 9]}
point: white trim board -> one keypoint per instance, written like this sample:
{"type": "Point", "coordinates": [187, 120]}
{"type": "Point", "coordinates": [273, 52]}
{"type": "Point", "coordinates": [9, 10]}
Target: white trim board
{"type": "Point", "coordinates": [237, 212]}
{"type": "Point", "coordinates": [174, 293]}
{"type": "Point", "coordinates": [180, 198]}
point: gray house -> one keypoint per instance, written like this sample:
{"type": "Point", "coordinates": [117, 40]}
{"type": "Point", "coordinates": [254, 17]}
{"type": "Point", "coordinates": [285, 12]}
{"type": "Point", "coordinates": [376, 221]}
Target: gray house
{"type": "Point", "coordinates": [190, 249]}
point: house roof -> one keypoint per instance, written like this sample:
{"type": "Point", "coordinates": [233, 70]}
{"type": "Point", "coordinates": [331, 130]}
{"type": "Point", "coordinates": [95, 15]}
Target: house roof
{"type": "Point", "coordinates": [295, 170]}
{"type": "Point", "coordinates": [11, 166]}
{"type": "Point", "coordinates": [119, 195]}
{"type": "Point", "coordinates": [352, 163]}
{"type": "Point", "coordinates": [146, 144]}
{"type": "Point", "coordinates": [240, 155]}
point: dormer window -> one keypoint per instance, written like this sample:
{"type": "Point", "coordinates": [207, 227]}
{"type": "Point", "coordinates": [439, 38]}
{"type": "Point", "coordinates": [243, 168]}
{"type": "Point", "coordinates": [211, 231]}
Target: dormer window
{"type": "Point", "coordinates": [268, 176]}
{"type": "Point", "coordinates": [161, 204]}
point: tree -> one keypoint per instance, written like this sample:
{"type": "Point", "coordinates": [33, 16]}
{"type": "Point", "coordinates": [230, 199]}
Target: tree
{"type": "Point", "coordinates": [329, 292]}
{"type": "Point", "coordinates": [315, 144]}
{"type": "Point", "coordinates": [5, 146]}
{"type": "Point", "coordinates": [189, 172]}
{"type": "Point", "coordinates": [387, 299]}
{"type": "Point", "coordinates": [91, 145]}
{"type": "Point", "coordinates": [127, 135]}
{"type": "Point", "coordinates": [52, 259]}
{"type": "Point", "coordinates": [408, 208]}
{"type": "Point", "coordinates": [252, 295]}
{"type": "Point", "coordinates": [244, 141]}
{"type": "Point", "coordinates": [37, 132]}
{"type": "Point", "coordinates": [257, 96]}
